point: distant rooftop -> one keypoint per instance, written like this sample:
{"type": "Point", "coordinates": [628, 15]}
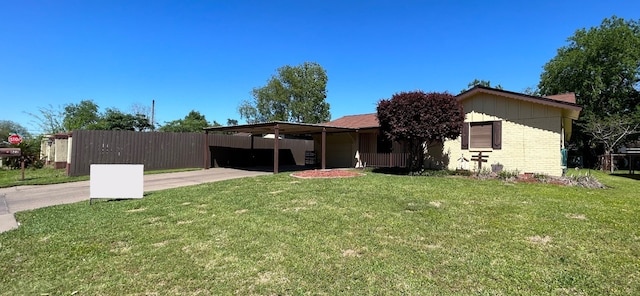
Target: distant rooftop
{"type": "Point", "coordinates": [355, 121]}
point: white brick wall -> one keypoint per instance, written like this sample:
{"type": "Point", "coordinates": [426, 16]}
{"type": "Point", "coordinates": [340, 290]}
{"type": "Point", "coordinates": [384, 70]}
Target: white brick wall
{"type": "Point", "coordinates": [531, 135]}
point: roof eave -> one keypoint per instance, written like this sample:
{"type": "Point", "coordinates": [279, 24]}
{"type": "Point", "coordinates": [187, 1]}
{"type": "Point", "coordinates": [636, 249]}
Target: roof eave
{"type": "Point", "coordinates": [523, 97]}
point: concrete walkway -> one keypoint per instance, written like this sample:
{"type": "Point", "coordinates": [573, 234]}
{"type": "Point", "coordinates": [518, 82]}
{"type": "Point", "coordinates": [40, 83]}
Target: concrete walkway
{"type": "Point", "coordinates": [22, 198]}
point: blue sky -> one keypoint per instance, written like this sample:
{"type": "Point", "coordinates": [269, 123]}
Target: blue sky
{"type": "Point", "coordinates": [209, 55]}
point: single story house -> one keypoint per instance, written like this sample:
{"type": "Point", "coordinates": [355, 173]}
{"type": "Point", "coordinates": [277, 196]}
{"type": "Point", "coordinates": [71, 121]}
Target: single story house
{"type": "Point", "coordinates": [513, 131]}
{"type": "Point", "coordinates": [509, 130]}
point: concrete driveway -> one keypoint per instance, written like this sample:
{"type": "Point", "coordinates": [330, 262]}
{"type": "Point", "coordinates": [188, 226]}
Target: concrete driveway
{"type": "Point", "coordinates": [21, 198]}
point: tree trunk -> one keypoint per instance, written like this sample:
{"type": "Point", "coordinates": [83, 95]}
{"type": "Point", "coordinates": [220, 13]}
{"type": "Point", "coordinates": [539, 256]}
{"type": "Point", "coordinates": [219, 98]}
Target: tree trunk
{"type": "Point", "coordinates": [611, 162]}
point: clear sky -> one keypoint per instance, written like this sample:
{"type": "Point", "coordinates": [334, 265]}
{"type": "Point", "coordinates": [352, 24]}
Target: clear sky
{"type": "Point", "coordinates": [209, 55]}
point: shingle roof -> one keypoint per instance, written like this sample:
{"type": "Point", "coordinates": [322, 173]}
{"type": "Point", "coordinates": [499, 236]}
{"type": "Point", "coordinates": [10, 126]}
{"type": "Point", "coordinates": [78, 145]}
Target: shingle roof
{"type": "Point", "coordinates": [355, 121]}
{"type": "Point", "coordinates": [568, 97]}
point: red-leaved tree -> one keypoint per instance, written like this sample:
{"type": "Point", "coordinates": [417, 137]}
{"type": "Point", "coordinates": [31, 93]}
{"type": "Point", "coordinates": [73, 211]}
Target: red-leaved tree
{"type": "Point", "coordinates": [418, 119]}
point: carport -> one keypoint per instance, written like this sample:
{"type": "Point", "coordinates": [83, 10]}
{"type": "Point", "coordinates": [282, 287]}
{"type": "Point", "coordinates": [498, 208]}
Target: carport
{"type": "Point", "coordinates": [277, 128]}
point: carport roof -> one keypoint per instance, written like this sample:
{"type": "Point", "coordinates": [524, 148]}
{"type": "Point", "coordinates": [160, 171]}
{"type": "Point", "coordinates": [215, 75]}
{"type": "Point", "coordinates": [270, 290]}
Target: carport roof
{"type": "Point", "coordinates": [283, 128]}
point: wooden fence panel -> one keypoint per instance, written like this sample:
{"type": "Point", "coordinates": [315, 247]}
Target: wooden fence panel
{"type": "Point", "coordinates": [154, 150]}
{"type": "Point", "coordinates": [158, 150]}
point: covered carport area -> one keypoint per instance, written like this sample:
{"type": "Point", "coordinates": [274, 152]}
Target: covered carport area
{"type": "Point", "coordinates": [278, 128]}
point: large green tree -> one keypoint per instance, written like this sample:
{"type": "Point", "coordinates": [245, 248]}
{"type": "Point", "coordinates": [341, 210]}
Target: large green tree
{"type": "Point", "coordinates": [194, 122]}
{"type": "Point", "coordinates": [602, 66]}
{"type": "Point", "coordinates": [83, 115]}
{"type": "Point", "coordinates": [114, 119]}
{"type": "Point", "coordinates": [295, 94]}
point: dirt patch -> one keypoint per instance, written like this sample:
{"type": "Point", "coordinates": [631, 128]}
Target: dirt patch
{"type": "Point", "coordinates": [577, 216]}
{"type": "Point", "coordinates": [160, 244]}
{"type": "Point", "coordinates": [539, 240]}
{"type": "Point", "coordinates": [310, 174]}
{"type": "Point", "coordinates": [136, 210]}
{"type": "Point", "coordinates": [435, 204]}
{"type": "Point", "coordinates": [351, 253]}
{"type": "Point", "coordinates": [238, 212]}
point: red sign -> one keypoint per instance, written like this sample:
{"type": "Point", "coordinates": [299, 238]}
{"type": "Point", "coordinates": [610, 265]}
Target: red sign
{"type": "Point", "coordinates": [15, 139]}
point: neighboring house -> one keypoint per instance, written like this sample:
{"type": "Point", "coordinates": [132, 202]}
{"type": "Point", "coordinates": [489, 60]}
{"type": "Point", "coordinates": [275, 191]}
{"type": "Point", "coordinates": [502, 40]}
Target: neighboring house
{"type": "Point", "coordinates": [517, 131]}
{"type": "Point", "coordinates": [56, 149]}
{"type": "Point", "coordinates": [514, 131]}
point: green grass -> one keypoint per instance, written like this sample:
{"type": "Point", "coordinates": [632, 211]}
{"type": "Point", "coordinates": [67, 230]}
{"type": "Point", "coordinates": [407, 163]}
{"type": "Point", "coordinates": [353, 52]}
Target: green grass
{"type": "Point", "coordinates": [372, 235]}
{"type": "Point", "coordinates": [45, 176]}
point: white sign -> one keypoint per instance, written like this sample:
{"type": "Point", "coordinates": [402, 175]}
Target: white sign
{"type": "Point", "coordinates": [116, 181]}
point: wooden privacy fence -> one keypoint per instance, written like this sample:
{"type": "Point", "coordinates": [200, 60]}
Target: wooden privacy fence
{"type": "Point", "coordinates": [158, 150]}
{"type": "Point", "coordinates": [381, 160]}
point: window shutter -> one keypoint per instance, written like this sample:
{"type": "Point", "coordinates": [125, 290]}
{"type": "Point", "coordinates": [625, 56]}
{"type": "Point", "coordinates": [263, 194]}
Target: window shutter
{"type": "Point", "coordinates": [497, 135]}
{"type": "Point", "coordinates": [465, 135]}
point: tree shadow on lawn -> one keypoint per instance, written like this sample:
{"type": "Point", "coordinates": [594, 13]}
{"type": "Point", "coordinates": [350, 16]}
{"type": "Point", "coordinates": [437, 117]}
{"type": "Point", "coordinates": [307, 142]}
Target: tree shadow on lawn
{"type": "Point", "coordinates": [628, 176]}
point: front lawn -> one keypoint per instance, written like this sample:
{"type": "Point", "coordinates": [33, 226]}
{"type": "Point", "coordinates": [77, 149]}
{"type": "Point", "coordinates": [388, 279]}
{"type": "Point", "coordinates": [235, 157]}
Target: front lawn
{"type": "Point", "coordinates": [373, 235]}
{"type": "Point", "coordinates": [45, 176]}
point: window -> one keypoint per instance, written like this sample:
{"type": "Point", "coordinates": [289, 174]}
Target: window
{"type": "Point", "coordinates": [384, 145]}
{"type": "Point", "coordinates": [487, 134]}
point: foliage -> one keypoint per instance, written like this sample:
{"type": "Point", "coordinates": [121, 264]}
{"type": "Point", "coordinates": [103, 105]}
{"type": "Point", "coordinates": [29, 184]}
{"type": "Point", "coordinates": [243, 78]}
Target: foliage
{"type": "Point", "coordinates": [611, 131]}
{"type": "Point", "coordinates": [295, 94]}
{"type": "Point", "coordinates": [374, 235]}
{"type": "Point", "coordinates": [420, 119]}
{"type": "Point", "coordinates": [30, 149]}
{"type": "Point", "coordinates": [145, 111]}
{"type": "Point", "coordinates": [485, 83]}
{"type": "Point", "coordinates": [30, 146]}
{"type": "Point", "coordinates": [532, 91]}
{"type": "Point", "coordinates": [85, 115]}
{"type": "Point", "coordinates": [49, 119]}
{"type": "Point", "coordinates": [231, 122]}
{"type": "Point", "coordinates": [507, 175]}
{"type": "Point", "coordinates": [194, 122]}
{"type": "Point", "coordinates": [81, 116]}
{"type": "Point", "coordinates": [114, 119]}
{"type": "Point", "coordinates": [601, 65]}
{"type": "Point", "coordinates": [8, 127]}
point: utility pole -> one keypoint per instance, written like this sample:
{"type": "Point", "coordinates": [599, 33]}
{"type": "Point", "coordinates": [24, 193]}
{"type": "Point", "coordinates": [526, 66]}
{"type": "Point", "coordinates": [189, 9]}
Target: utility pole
{"type": "Point", "coordinates": [153, 114]}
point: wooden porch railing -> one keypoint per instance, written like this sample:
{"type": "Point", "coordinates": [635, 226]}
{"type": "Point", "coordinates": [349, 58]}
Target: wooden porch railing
{"type": "Point", "coordinates": [384, 160]}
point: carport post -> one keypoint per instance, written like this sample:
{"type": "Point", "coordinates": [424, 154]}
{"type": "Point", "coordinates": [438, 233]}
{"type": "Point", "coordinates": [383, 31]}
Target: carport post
{"type": "Point", "coordinates": [324, 148]}
{"type": "Point", "coordinates": [207, 152]}
{"type": "Point", "coordinates": [276, 149]}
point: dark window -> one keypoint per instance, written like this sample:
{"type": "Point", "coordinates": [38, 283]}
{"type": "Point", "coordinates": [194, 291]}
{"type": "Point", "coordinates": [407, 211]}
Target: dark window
{"type": "Point", "coordinates": [384, 145]}
{"type": "Point", "coordinates": [486, 134]}
{"type": "Point", "coordinates": [480, 135]}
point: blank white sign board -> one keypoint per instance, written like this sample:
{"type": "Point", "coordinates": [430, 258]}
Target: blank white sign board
{"type": "Point", "coordinates": [116, 181]}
